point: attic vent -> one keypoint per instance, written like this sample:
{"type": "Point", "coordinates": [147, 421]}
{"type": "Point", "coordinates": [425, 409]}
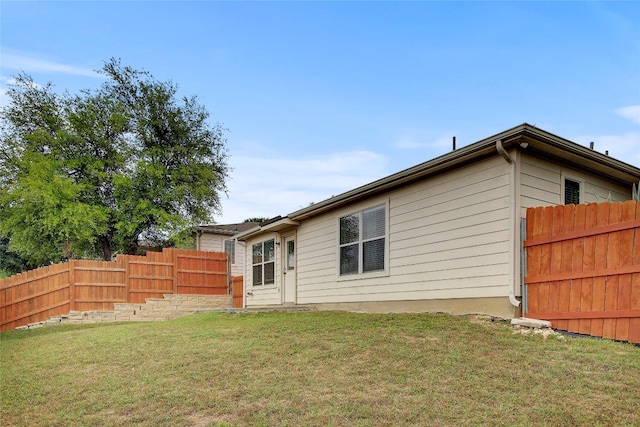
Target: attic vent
{"type": "Point", "coordinates": [571, 192]}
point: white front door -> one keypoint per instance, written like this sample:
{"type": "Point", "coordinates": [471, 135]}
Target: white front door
{"type": "Point", "coordinates": [289, 271]}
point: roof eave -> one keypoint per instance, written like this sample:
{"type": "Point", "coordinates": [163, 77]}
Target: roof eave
{"type": "Point", "coordinates": [564, 149]}
{"type": "Point", "coordinates": [445, 161]}
{"type": "Point", "coordinates": [276, 226]}
{"type": "Point", "coordinates": [580, 155]}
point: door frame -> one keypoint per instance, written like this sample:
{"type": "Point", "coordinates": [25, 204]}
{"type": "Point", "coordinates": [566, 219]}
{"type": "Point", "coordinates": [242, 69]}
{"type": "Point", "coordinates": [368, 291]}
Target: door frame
{"type": "Point", "coordinates": [288, 272]}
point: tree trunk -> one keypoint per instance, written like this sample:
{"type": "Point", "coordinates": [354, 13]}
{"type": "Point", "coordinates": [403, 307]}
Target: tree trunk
{"type": "Point", "coordinates": [106, 250]}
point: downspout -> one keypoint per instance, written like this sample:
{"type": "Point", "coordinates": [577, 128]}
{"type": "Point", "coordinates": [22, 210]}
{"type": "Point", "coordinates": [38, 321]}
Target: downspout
{"type": "Point", "coordinates": [198, 239]}
{"type": "Point", "coordinates": [512, 211]}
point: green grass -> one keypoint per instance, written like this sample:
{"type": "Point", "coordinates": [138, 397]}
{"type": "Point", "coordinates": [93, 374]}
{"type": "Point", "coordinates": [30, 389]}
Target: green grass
{"type": "Point", "coordinates": [314, 369]}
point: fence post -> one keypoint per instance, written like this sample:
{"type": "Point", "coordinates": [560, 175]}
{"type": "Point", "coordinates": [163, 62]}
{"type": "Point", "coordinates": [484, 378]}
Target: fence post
{"type": "Point", "coordinates": [523, 264]}
{"type": "Point", "coordinates": [229, 279]}
{"type": "Point", "coordinates": [174, 254]}
{"type": "Point", "coordinates": [72, 285]}
{"type": "Point", "coordinates": [124, 261]}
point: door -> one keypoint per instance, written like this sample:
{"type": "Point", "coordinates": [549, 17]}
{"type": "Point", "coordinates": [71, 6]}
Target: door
{"type": "Point", "coordinates": [289, 270]}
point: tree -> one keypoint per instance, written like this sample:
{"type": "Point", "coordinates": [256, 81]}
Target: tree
{"type": "Point", "coordinates": [89, 174]}
{"type": "Point", "coordinates": [10, 262]}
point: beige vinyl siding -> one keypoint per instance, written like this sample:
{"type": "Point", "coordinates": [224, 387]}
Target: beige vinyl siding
{"type": "Point", "coordinates": [215, 243]}
{"type": "Point", "coordinates": [448, 238]}
{"type": "Point", "coordinates": [599, 190]}
{"type": "Point", "coordinates": [263, 295]}
{"type": "Point", "coordinates": [211, 242]}
{"type": "Point", "coordinates": [317, 254]}
{"type": "Point", "coordinates": [237, 268]}
{"type": "Point", "coordinates": [541, 183]}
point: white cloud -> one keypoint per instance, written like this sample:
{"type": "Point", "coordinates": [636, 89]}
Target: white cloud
{"type": "Point", "coordinates": [13, 81]}
{"type": "Point", "coordinates": [4, 82]}
{"type": "Point", "coordinates": [14, 61]}
{"type": "Point", "coordinates": [631, 112]}
{"type": "Point", "coordinates": [271, 186]}
{"type": "Point", "coordinates": [624, 147]}
{"type": "Point", "coordinates": [31, 64]}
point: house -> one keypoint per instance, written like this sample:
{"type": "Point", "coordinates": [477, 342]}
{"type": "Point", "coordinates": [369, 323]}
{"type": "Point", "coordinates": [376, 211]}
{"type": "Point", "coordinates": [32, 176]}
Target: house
{"type": "Point", "coordinates": [219, 238]}
{"type": "Point", "coordinates": [444, 235]}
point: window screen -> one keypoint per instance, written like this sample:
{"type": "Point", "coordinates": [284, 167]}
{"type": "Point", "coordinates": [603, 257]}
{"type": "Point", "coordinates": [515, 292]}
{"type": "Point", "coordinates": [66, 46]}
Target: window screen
{"type": "Point", "coordinates": [362, 241]}
{"type": "Point", "coordinates": [230, 249]}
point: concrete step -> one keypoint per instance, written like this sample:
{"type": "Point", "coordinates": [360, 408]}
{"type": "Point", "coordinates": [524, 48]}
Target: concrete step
{"type": "Point", "coordinates": [531, 323]}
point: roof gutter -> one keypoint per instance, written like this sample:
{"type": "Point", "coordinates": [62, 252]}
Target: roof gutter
{"type": "Point", "coordinates": [580, 155]}
{"type": "Point", "coordinates": [535, 138]}
{"type": "Point", "coordinates": [430, 167]}
{"type": "Point", "coordinates": [279, 224]}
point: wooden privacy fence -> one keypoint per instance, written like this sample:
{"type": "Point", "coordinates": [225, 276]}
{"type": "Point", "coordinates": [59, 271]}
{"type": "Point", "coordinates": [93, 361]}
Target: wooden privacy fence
{"type": "Point", "coordinates": [583, 268]}
{"type": "Point", "coordinates": [96, 285]}
{"type": "Point", "coordinates": [236, 290]}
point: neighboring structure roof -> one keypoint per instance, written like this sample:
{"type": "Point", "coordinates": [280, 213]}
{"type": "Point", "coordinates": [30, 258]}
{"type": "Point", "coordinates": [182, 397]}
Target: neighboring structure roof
{"type": "Point", "coordinates": [227, 229]}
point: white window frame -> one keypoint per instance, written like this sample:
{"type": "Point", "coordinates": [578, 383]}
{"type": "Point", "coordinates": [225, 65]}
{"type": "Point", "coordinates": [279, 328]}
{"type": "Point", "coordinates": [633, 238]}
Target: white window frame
{"type": "Point", "coordinates": [263, 263]}
{"type": "Point", "coordinates": [231, 253]}
{"type": "Point", "coordinates": [360, 274]}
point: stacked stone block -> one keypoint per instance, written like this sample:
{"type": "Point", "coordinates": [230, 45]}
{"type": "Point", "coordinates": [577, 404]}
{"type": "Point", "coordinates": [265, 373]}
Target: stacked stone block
{"type": "Point", "coordinates": [170, 306]}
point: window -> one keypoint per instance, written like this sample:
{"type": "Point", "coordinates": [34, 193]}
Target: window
{"type": "Point", "coordinates": [571, 192]}
{"type": "Point", "coordinates": [362, 241]}
{"type": "Point", "coordinates": [263, 263]}
{"type": "Point", "coordinates": [230, 249]}
{"type": "Point", "coordinates": [291, 255]}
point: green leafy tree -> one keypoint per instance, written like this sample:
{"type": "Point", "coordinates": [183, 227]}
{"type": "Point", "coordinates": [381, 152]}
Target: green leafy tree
{"type": "Point", "coordinates": [10, 262]}
{"type": "Point", "coordinates": [90, 174]}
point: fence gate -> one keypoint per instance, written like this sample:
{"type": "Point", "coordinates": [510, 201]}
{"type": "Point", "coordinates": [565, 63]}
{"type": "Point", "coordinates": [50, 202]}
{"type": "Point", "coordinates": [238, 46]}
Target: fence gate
{"type": "Point", "coordinates": [583, 268]}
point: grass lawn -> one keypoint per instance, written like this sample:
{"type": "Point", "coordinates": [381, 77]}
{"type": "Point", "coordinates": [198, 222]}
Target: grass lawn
{"type": "Point", "coordinates": [314, 369]}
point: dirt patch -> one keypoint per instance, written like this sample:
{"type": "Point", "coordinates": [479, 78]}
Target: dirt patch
{"type": "Point", "coordinates": [545, 332]}
{"type": "Point", "coordinates": [199, 420]}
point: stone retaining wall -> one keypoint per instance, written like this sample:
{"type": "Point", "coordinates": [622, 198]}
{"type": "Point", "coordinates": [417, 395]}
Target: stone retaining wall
{"type": "Point", "coordinates": [170, 306]}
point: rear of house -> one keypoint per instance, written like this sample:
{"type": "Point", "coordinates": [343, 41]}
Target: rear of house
{"type": "Point", "coordinates": [441, 236]}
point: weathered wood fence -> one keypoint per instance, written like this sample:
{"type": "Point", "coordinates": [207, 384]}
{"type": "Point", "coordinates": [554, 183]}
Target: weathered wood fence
{"type": "Point", "coordinates": [82, 285]}
{"type": "Point", "coordinates": [583, 268]}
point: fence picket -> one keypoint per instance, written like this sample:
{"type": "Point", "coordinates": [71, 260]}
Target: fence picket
{"type": "Point", "coordinates": [588, 264]}
{"type": "Point", "coordinates": [634, 323]}
{"type": "Point", "coordinates": [95, 285]}
{"type": "Point", "coordinates": [625, 259]}
{"type": "Point", "coordinates": [613, 257]}
{"type": "Point", "coordinates": [599, 263]}
{"type": "Point", "coordinates": [573, 255]}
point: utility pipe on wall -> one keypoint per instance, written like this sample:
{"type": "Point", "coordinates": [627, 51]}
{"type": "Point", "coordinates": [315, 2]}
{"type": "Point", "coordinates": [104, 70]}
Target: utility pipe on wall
{"type": "Point", "coordinates": [512, 216]}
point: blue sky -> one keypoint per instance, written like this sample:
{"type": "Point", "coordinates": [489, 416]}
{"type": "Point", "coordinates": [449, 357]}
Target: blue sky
{"type": "Point", "coordinates": [321, 97]}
